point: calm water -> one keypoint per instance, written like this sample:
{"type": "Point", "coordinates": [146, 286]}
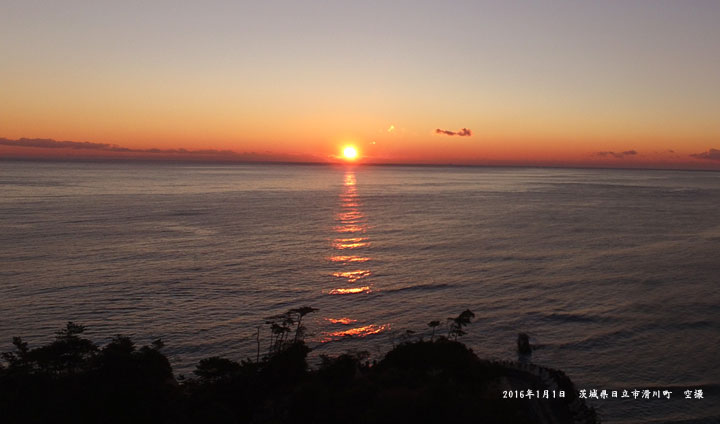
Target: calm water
{"type": "Point", "coordinates": [613, 273]}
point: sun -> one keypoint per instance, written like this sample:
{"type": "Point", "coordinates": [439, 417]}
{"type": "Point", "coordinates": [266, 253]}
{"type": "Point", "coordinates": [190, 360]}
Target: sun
{"type": "Point", "coordinates": [350, 153]}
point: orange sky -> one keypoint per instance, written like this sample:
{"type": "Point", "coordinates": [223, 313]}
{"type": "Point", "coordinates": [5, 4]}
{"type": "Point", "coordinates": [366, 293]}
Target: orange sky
{"type": "Point", "coordinates": [559, 84]}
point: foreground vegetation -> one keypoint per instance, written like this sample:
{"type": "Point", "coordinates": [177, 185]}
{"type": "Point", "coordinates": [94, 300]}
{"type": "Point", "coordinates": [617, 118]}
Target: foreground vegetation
{"type": "Point", "coordinates": [74, 380]}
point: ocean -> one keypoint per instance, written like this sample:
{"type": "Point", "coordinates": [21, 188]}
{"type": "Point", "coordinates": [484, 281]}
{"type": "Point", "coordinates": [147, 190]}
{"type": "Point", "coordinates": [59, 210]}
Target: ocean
{"type": "Point", "coordinates": [612, 273]}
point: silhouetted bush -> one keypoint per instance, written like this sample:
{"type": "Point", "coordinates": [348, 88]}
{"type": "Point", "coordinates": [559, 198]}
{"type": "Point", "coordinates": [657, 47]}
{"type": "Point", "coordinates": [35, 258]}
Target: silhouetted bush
{"type": "Point", "coordinates": [215, 368]}
{"type": "Point", "coordinates": [73, 380]}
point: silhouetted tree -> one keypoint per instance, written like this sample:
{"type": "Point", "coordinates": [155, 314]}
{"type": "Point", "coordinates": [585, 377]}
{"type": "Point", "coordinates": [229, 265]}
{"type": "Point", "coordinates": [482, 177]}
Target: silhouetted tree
{"type": "Point", "coordinates": [433, 325]}
{"type": "Point", "coordinates": [257, 340]}
{"type": "Point", "coordinates": [455, 329]}
{"type": "Point", "coordinates": [300, 313]}
{"type": "Point", "coordinates": [282, 325]}
{"type": "Point", "coordinates": [278, 334]}
{"type": "Point", "coordinates": [17, 359]}
{"type": "Point", "coordinates": [73, 380]}
{"type": "Point", "coordinates": [67, 354]}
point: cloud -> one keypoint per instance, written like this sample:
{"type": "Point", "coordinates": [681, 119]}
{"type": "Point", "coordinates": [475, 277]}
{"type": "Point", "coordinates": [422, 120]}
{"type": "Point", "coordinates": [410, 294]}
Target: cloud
{"type": "Point", "coordinates": [711, 154]}
{"type": "Point", "coordinates": [462, 133]}
{"type": "Point", "coordinates": [114, 151]}
{"type": "Point", "coordinates": [52, 144]}
{"type": "Point", "coordinates": [48, 143]}
{"type": "Point", "coordinates": [618, 155]}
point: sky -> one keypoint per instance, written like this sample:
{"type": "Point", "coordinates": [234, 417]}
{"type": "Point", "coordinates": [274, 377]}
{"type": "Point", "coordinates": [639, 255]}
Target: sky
{"type": "Point", "coordinates": [611, 83]}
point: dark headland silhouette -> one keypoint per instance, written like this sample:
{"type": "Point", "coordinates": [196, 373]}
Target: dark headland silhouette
{"type": "Point", "coordinates": [439, 380]}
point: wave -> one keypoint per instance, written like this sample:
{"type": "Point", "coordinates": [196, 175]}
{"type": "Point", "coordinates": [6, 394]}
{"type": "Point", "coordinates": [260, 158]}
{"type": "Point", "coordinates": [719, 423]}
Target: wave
{"type": "Point", "coordinates": [570, 317]}
{"type": "Point", "coordinates": [418, 287]}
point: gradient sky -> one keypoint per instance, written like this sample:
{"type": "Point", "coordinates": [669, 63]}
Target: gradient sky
{"type": "Point", "coordinates": [535, 82]}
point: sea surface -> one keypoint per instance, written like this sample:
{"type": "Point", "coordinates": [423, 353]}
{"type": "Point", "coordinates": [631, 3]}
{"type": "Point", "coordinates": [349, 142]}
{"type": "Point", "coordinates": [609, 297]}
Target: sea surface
{"type": "Point", "coordinates": [613, 273]}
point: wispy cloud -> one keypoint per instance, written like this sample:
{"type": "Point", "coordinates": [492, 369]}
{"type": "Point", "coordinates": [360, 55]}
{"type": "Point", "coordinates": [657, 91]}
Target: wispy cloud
{"type": "Point", "coordinates": [618, 155]}
{"type": "Point", "coordinates": [113, 150]}
{"type": "Point", "coordinates": [48, 143]}
{"type": "Point", "coordinates": [465, 132]}
{"type": "Point", "coordinates": [710, 154]}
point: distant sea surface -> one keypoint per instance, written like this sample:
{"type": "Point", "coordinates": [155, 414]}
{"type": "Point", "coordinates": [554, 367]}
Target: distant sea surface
{"type": "Point", "coordinates": [613, 273]}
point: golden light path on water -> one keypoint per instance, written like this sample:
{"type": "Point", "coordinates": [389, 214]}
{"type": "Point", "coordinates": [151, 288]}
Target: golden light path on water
{"type": "Point", "coordinates": [350, 229]}
{"type": "Point", "coordinates": [348, 259]}
{"type": "Point", "coordinates": [343, 321]}
{"type": "Point", "coordinates": [350, 243]}
{"type": "Point", "coordinates": [353, 276]}
{"type": "Point", "coordinates": [350, 290]}
{"type": "Point", "coordinates": [363, 331]}
{"type": "Point", "coordinates": [352, 280]}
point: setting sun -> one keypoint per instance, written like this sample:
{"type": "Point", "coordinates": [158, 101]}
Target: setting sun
{"type": "Point", "coordinates": [350, 153]}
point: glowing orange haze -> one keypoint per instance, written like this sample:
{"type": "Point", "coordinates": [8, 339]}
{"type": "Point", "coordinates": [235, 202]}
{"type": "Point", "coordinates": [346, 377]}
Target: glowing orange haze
{"type": "Point", "coordinates": [430, 149]}
{"type": "Point", "coordinates": [596, 84]}
{"type": "Point", "coordinates": [499, 136]}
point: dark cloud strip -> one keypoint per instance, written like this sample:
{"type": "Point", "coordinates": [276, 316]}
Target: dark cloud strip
{"type": "Point", "coordinates": [46, 143]}
{"type": "Point", "coordinates": [711, 154]}
{"type": "Point", "coordinates": [462, 133]}
{"type": "Point", "coordinates": [618, 155]}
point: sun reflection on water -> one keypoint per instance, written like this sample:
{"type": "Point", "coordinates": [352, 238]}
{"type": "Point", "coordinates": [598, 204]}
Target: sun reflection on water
{"type": "Point", "coordinates": [351, 221]}
{"type": "Point", "coordinates": [350, 229]}
{"type": "Point", "coordinates": [352, 276]}
{"type": "Point", "coordinates": [352, 217]}
{"type": "Point", "coordinates": [350, 243]}
{"type": "Point", "coordinates": [348, 259]}
{"type": "Point", "coordinates": [351, 290]}
{"type": "Point", "coordinates": [343, 321]}
{"type": "Point", "coordinates": [364, 331]}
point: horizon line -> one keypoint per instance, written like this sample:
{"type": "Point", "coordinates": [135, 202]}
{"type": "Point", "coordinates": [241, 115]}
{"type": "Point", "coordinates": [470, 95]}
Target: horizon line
{"type": "Point", "coordinates": [191, 161]}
